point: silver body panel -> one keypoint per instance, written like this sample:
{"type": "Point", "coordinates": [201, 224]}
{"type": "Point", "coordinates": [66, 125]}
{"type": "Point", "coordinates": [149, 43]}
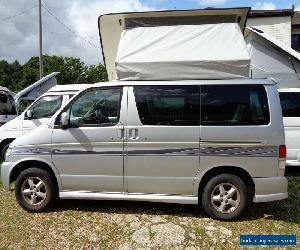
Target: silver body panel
{"type": "Point", "coordinates": [154, 163]}
{"type": "Point", "coordinates": [169, 154]}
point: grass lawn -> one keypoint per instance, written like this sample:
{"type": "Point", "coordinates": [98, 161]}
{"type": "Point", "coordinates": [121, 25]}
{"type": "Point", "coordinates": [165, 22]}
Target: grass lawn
{"type": "Point", "coordinates": [141, 225]}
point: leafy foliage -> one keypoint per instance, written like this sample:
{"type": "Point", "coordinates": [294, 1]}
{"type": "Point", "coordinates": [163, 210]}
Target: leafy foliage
{"type": "Point", "coordinates": [72, 70]}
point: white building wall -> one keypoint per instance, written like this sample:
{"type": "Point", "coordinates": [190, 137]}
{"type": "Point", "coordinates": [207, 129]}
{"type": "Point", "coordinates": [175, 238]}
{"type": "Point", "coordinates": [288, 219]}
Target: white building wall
{"type": "Point", "coordinates": [279, 27]}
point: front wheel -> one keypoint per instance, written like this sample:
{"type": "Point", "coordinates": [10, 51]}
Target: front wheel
{"type": "Point", "coordinates": [35, 190]}
{"type": "Point", "coordinates": [225, 197]}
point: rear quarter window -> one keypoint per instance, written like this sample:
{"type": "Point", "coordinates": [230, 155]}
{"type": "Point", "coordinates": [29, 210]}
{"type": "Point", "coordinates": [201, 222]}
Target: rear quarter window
{"type": "Point", "coordinates": [234, 105]}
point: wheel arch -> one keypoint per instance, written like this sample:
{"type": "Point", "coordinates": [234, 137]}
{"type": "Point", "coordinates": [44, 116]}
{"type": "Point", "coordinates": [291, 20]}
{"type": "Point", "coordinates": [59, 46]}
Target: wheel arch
{"type": "Point", "coordinates": [234, 170]}
{"type": "Point", "coordinates": [5, 142]}
{"type": "Point", "coordinates": [29, 163]}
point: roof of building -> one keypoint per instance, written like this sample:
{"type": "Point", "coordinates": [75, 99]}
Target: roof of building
{"type": "Point", "coordinates": [280, 45]}
{"type": "Point", "coordinates": [271, 13]}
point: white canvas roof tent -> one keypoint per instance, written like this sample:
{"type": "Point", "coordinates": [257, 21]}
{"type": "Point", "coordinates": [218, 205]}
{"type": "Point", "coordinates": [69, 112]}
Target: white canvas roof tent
{"type": "Point", "coordinates": [38, 88]}
{"type": "Point", "coordinates": [183, 52]}
{"type": "Point", "coordinates": [272, 58]}
{"type": "Point", "coordinates": [111, 26]}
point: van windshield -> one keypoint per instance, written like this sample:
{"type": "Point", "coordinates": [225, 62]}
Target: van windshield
{"type": "Point", "coordinates": [46, 106]}
{"type": "Point", "coordinates": [7, 106]}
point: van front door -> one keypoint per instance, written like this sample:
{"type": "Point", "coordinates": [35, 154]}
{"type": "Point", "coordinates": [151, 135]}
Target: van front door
{"type": "Point", "coordinates": [89, 152]}
{"type": "Point", "coordinates": [162, 147]}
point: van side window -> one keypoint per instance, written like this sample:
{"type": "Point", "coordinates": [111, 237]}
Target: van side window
{"type": "Point", "coordinates": [290, 103]}
{"type": "Point", "coordinates": [234, 105]}
{"type": "Point", "coordinates": [168, 105]}
{"type": "Point", "coordinates": [46, 106]}
{"type": "Point", "coordinates": [96, 107]}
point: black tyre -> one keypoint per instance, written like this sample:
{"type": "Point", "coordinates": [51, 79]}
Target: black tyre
{"type": "Point", "coordinates": [3, 151]}
{"type": "Point", "coordinates": [225, 197]}
{"type": "Point", "coordinates": [35, 190]}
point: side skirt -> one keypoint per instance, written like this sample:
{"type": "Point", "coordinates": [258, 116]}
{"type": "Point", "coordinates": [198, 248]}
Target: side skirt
{"type": "Point", "coordinates": [84, 195]}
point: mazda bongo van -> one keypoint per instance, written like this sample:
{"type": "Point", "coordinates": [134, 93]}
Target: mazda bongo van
{"type": "Point", "coordinates": [218, 143]}
{"type": "Point", "coordinates": [38, 113]}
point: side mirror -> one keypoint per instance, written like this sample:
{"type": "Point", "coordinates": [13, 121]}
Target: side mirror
{"type": "Point", "coordinates": [29, 114]}
{"type": "Point", "coordinates": [64, 118]}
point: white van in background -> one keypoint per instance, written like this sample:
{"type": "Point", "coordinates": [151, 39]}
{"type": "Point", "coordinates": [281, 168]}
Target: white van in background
{"type": "Point", "coordinates": [290, 103]}
{"type": "Point", "coordinates": [39, 112]}
{"type": "Point", "coordinates": [10, 102]}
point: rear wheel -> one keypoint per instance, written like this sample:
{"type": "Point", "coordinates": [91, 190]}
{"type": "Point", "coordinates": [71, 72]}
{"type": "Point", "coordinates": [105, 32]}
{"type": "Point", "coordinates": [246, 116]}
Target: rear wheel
{"type": "Point", "coordinates": [35, 190]}
{"type": "Point", "coordinates": [225, 197]}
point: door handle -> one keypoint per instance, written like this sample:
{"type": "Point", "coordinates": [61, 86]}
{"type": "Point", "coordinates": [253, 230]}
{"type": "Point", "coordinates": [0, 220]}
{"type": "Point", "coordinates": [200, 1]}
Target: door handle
{"type": "Point", "coordinates": [120, 134]}
{"type": "Point", "coordinates": [134, 134]}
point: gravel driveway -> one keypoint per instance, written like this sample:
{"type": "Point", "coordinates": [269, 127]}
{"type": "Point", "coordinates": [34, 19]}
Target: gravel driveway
{"type": "Point", "coordinates": [140, 225]}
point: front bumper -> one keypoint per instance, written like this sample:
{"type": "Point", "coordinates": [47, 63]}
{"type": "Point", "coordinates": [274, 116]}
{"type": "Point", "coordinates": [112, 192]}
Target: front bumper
{"type": "Point", "coordinates": [270, 189]}
{"type": "Point", "coordinates": [5, 174]}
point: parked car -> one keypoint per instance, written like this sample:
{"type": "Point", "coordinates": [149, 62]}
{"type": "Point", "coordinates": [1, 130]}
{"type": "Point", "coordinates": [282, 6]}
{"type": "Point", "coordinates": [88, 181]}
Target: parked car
{"type": "Point", "coordinates": [290, 103]}
{"type": "Point", "coordinates": [219, 143]}
{"type": "Point", "coordinates": [10, 102]}
{"type": "Point", "coordinates": [39, 112]}
{"type": "Point", "coordinates": [7, 106]}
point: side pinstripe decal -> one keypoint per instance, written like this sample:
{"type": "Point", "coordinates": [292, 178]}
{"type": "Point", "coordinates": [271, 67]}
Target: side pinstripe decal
{"type": "Point", "coordinates": [252, 151]}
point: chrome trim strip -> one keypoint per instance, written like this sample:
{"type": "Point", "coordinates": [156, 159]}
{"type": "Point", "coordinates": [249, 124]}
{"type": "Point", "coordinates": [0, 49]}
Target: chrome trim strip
{"type": "Point", "coordinates": [31, 151]}
{"type": "Point", "coordinates": [179, 199]}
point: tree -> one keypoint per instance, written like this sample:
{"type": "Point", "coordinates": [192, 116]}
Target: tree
{"type": "Point", "coordinates": [95, 73]}
{"type": "Point", "coordinates": [72, 70]}
{"type": "Point", "coordinates": [9, 73]}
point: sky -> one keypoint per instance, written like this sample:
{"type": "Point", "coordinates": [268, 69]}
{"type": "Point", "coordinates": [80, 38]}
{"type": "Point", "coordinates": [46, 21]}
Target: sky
{"type": "Point", "coordinates": [70, 27]}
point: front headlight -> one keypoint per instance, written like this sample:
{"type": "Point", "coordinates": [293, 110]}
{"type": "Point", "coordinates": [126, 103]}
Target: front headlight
{"type": "Point", "coordinates": [8, 153]}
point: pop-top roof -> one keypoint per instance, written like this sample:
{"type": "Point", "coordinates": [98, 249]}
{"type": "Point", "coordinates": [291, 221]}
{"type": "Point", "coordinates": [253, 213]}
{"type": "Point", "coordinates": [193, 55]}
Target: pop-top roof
{"type": "Point", "coordinates": [38, 88]}
{"type": "Point", "coordinates": [111, 26]}
{"type": "Point", "coordinates": [183, 52]}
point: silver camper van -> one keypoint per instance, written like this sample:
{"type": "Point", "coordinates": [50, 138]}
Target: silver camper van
{"type": "Point", "coordinates": [216, 141]}
{"type": "Point", "coordinates": [219, 143]}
